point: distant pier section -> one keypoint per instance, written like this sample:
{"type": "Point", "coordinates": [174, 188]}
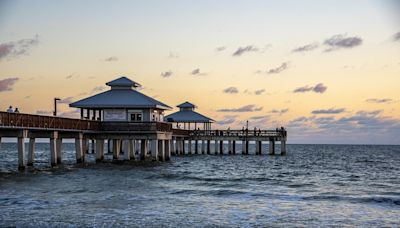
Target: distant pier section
{"type": "Point", "coordinates": [123, 121]}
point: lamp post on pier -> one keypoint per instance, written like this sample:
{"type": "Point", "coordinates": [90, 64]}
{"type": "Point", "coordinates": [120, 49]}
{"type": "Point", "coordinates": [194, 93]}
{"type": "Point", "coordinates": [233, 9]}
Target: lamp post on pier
{"type": "Point", "coordinates": [55, 106]}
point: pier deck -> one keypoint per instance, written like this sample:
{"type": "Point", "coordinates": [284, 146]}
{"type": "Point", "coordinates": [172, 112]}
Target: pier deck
{"type": "Point", "coordinates": [151, 140]}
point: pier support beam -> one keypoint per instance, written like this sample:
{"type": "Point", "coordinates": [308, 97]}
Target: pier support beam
{"type": "Point", "coordinates": [31, 152]}
{"type": "Point", "coordinates": [21, 152]}
{"type": "Point", "coordinates": [216, 147]}
{"type": "Point", "coordinates": [271, 147]}
{"type": "Point", "coordinates": [59, 148]}
{"type": "Point", "coordinates": [154, 149]}
{"type": "Point", "coordinates": [172, 147]}
{"type": "Point", "coordinates": [183, 146]}
{"type": "Point", "coordinates": [221, 147]}
{"type": "Point", "coordinates": [189, 146]}
{"type": "Point", "coordinates": [143, 149]}
{"type": "Point", "coordinates": [167, 149]}
{"type": "Point", "coordinates": [99, 150]}
{"type": "Point", "coordinates": [233, 147]}
{"type": "Point", "coordinates": [247, 147]}
{"type": "Point", "coordinates": [208, 146]}
{"type": "Point", "coordinates": [196, 146]}
{"type": "Point", "coordinates": [243, 147]}
{"type": "Point", "coordinates": [53, 148]}
{"type": "Point", "coordinates": [129, 150]}
{"type": "Point", "coordinates": [229, 147]}
{"type": "Point", "coordinates": [258, 147]}
{"type": "Point", "coordinates": [132, 149]}
{"type": "Point", "coordinates": [79, 148]}
{"type": "Point", "coordinates": [161, 150]}
{"type": "Point", "coordinates": [116, 148]}
{"type": "Point", "coordinates": [283, 147]}
{"type": "Point", "coordinates": [203, 146]}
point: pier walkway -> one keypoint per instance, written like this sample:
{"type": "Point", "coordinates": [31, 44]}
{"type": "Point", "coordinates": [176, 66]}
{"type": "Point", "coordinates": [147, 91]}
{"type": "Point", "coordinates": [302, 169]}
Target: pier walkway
{"type": "Point", "coordinates": [149, 140]}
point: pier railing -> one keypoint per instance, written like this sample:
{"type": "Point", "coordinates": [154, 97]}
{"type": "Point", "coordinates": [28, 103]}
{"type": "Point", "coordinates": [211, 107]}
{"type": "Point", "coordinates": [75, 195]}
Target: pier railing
{"type": "Point", "coordinates": [241, 133]}
{"type": "Point", "coordinates": [21, 120]}
{"type": "Point", "coordinates": [136, 126]}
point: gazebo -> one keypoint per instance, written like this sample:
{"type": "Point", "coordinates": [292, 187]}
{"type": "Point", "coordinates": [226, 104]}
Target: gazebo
{"type": "Point", "coordinates": [122, 103]}
{"type": "Point", "coordinates": [187, 116]}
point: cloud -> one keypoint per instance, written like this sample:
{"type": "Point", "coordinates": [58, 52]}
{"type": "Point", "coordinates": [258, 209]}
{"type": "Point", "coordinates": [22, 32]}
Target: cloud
{"type": "Point", "coordinates": [227, 120]}
{"type": "Point", "coordinates": [44, 112]}
{"type": "Point", "coordinates": [278, 69]}
{"type": "Point", "coordinates": [69, 76]}
{"type": "Point", "coordinates": [173, 55]}
{"type": "Point", "coordinates": [219, 49]}
{"type": "Point", "coordinates": [66, 100]}
{"type": "Point", "coordinates": [379, 101]}
{"type": "Point", "coordinates": [111, 59]}
{"type": "Point", "coordinates": [241, 50]}
{"type": "Point", "coordinates": [306, 48]}
{"type": "Point", "coordinates": [17, 48]}
{"type": "Point", "coordinates": [197, 72]}
{"type": "Point", "coordinates": [329, 111]}
{"type": "Point", "coordinates": [166, 74]}
{"type": "Point", "coordinates": [231, 90]}
{"type": "Point", "coordinates": [259, 92]}
{"type": "Point", "coordinates": [396, 37]}
{"type": "Point", "coordinates": [280, 112]}
{"type": "Point", "coordinates": [27, 97]}
{"type": "Point", "coordinates": [341, 41]}
{"type": "Point", "coordinates": [246, 108]}
{"type": "Point", "coordinates": [319, 88]}
{"type": "Point", "coordinates": [7, 84]}
{"type": "Point", "coordinates": [70, 114]}
{"type": "Point", "coordinates": [98, 89]}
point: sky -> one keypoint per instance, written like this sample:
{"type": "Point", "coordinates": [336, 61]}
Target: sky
{"type": "Point", "coordinates": [328, 71]}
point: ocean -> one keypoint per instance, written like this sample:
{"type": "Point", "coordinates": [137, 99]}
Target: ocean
{"type": "Point", "coordinates": [312, 186]}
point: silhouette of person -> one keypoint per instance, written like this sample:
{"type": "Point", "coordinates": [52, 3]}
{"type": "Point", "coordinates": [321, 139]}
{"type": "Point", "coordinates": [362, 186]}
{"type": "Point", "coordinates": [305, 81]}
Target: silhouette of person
{"type": "Point", "coordinates": [10, 109]}
{"type": "Point", "coordinates": [16, 110]}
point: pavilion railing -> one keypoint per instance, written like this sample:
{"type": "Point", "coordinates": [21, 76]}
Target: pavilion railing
{"type": "Point", "coordinates": [21, 120]}
{"type": "Point", "coordinates": [136, 126]}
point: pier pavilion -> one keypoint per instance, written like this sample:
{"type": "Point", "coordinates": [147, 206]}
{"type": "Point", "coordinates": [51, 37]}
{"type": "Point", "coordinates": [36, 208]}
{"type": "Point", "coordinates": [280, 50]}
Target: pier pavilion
{"type": "Point", "coordinates": [133, 122]}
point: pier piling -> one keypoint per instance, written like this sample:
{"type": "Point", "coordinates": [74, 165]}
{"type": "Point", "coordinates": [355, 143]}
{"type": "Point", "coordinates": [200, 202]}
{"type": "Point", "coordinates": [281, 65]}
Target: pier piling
{"type": "Point", "coordinates": [31, 151]}
{"type": "Point", "coordinates": [271, 147]}
{"type": "Point", "coordinates": [21, 153]}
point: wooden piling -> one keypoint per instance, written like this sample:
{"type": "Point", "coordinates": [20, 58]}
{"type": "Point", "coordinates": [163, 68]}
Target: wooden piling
{"type": "Point", "coordinates": [161, 150]}
{"type": "Point", "coordinates": [196, 146]}
{"type": "Point", "coordinates": [79, 149]}
{"type": "Point", "coordinates": [31, 151]}
{"type": "Point", "coordinates": [221, 147]}
{"type": "Point", "coordinates": [21, 153]}
{"type": "Point", "coordinates": [59, 150]}
{"type": "Point", "coordinates": [143, 149]}
{"type": "Point", "coordinates": [99, 150]}
{"type": "Point", "coordinates": [271, 147]}
{"type": "Point", "coordinates": [167, 150]}
{"type": "Point", "coordinates": [216, 147]}
{"type": "Point", "coordinates": [208, 146]}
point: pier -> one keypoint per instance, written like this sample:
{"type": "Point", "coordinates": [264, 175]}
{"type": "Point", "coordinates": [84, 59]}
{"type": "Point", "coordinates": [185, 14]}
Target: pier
{"type": "Point", "coordinates": [132, 124]}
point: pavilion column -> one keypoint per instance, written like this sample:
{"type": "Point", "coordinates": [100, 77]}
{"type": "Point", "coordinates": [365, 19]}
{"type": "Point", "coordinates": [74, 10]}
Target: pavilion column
{"type": "Point", "coordinates": [167, 149]}
{"type": "Point", "coordinates": [99, 150]}
{"type": "Point", "coordinates": [79, 148]}
{"type": "Point", "coordinates": [31, 151]}
{"type": "Point", "coordinates": [143, 149]}
{"type": "Point", "coordinates": [59, 148]}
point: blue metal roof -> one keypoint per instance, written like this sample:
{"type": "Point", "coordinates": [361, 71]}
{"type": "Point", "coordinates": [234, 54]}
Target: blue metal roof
{"type": "Point", "coordinates": [186, 105]}
{"type": "Point", "coordinates": [123, 97]}
{"type": "Point", "coordinates": [188, 116]}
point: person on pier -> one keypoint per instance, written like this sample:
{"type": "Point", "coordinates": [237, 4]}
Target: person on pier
{"type": "Point", "coordinates": [16, 110]}
{"type": "Point", "coordinates": [10, 109]}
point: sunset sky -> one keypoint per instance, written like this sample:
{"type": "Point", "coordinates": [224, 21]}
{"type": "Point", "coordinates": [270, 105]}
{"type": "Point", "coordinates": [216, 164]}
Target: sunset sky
{"type": "Point", "coordinates": [329, 71]}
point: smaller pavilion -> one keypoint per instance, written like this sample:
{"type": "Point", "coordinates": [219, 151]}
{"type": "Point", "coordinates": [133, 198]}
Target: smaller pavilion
{"type": "Point", "coordinates": [190, 119]}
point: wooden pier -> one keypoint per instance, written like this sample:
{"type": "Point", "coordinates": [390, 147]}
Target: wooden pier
{"type": "Point", "coordinates": [155, 141]}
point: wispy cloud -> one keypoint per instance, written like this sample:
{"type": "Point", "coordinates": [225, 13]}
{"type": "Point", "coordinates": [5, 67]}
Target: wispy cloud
{"type": "Point", "coordinates": [98, 89]}
{"type": "Point", "coordinates": [329, 111]}
{"type": "Point", "coordinates": [226, 120]}
{"type": "Point", "coordinates": [44, 112]}
{"type": "Point", "coordinates": [7, 84]}
{"type": "Point", "coordinates": [341, 41]}
{"type": "Point", "coordinates": [111, 59]}
{"type": "Point", "coordinates": [219, 49]}
{"type": "Point", "coordinates": [241, 50]}
{"type": "Point", "coordinates": [259, 92]}
{"type": "Point", "coordinates": [166, 74]}
{"type": "Point", "coordinates": [319, 88]}
{"type": "Point", "coordinates": [279, 111]}
{"type": "Point", "coordinates": [306, 48]}
{"type": "Point", "coordinates": [396, 37]}
{"type": "Point", "coordinates": [246, 108]}
{"type": "Point", "coordinates": [17, 48]}
{"type": "Point", "coordinates": [197, 72]}
{"type": "Point", "coordinates": [231, 90]}
{"type": "Point", "coordinates": [173, 55]}
{"type": "Point", "coordinates": [379, 101]}
{"type": "Point", "coordinates": [278, 69]}
{"type": "Point", "coordinates": [66, 100]}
